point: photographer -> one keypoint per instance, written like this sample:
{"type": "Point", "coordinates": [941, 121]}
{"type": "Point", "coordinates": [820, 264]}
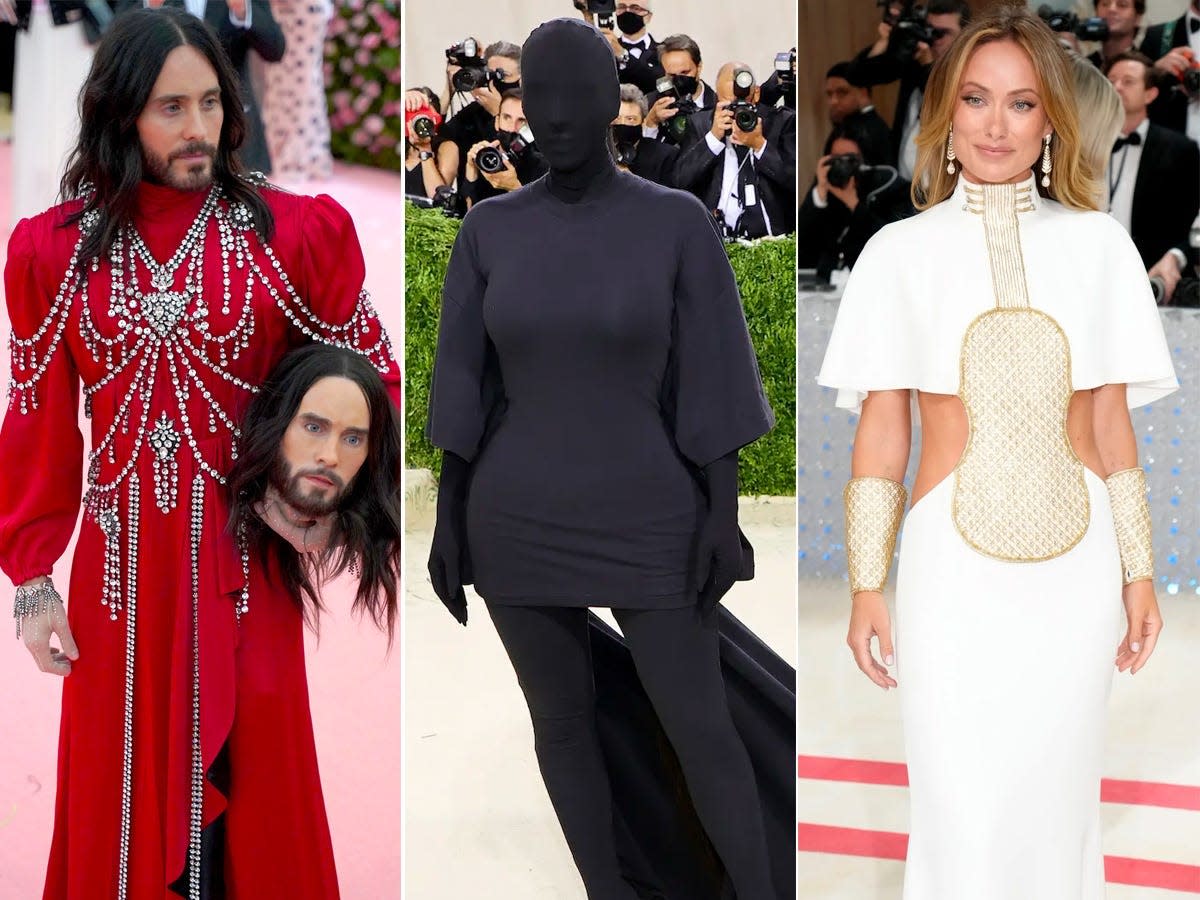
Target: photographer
{"type": "Point", "coordinates": [635, 48]}
{"type": "Point", "coordinates": [652, 160]}
{"type": "Point", "coordinates": [1153, 178]}
{"type": "Point", "coordinates": [781, 84]}
{"type": "Point", "coordinates": [845, 96]}
{"type": "Point", "coordinates": [421, 175]}
{"type": "Point", "coordinates": [1174, 47]}
{"type": "Point", "coordinates": [1123, 18]}
{"type": "Point", "coordinates": [520, 161]}
{"type": "Point", "coordinates": [498, 70]}
{"type": "Point", "coordinates": [744, 168]}
{"type": "Point", "coordinates": [667, 118]}
{"type": "Point", "coordinates": [848, 204]}
{"type": "Point", "coordinates": [900, 54]}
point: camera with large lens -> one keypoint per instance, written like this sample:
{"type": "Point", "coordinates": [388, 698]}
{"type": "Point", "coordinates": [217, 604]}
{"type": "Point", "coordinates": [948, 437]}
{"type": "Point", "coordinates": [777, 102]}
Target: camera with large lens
{"type": "Point", "coordinates": [842, 168]}
{"type": "Point", "coordinates": [745, 113]}
{"type": "Point", "coordinates": [512, 148]}
{"type": "Point", "coordinates": [605, 12]}
{"type": "Point", "coordinates": [424, 127]}
{"type": "Point", "coordinates": [469, 78]}
{"type": "Point", "coordinates": [677, 87]}
{"type": "Point", "coordinates": [445, 198]}
{"type": "Point", "coordinates": [1090, 29]}
{"type": "Point", "coordinates": [909, 28]}
{"type": "Point", "coordinates": [1191, 80]}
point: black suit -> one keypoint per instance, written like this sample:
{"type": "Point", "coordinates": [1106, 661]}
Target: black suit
{"type": "Point", "coordinates": [655, 162]}
{"type": "Point", "coordinates": [1166, 195]}
{"type": "Point", "coordinates": [642, 71]}
{"type": "Point", "coordinates": [699, 171]}
{"type": "Point", "coordinates": [833, 235]}
{"type": "Point", "coordinates": [884, 69]}
{"type": "Point", "coordinates": [1169, 108]}
{"type": "Point", "coordinates": [95, 15]}
{"type": "Point", "coordinates": [264, 37]}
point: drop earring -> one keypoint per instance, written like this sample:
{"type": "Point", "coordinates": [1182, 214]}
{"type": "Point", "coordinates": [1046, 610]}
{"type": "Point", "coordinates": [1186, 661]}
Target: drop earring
{"type": "Point", "coordinates": [1046, 163]}
{"type": "Point", "coordinates": [950, 157]}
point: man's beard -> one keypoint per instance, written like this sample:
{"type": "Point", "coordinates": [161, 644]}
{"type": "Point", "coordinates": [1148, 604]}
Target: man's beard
{"type": "Point", "coordinates": [198, 175]}
{"type": "Point", "coordinates": [309, 502]}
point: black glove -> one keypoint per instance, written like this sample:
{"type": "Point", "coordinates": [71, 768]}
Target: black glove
{"type": "Point", "coordinates": [719, 545]}
{"type": "Point", "coordinates": [449, 536]}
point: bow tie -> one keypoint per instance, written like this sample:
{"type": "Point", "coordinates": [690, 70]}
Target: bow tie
{"type": "Point", "coordinates": [632, 45]}
{"type": "Point", "coordinates": [1133, 140]}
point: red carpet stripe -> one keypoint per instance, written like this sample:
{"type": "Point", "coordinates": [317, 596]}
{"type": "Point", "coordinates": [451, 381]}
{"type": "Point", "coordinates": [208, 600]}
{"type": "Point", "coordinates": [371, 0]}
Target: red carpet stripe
{"type": "Point", "coordinates": [852, 841]}
{"type": "Point", "coordinates": [893, 845]}
{"type": "Point", "coordinates": [865, 771]}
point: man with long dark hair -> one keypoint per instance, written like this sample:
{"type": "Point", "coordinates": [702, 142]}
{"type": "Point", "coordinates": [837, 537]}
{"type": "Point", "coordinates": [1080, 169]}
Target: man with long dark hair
{"type": "Point", "coordinates": [317, 479]}
{"type": "Point", "coordinates": [168, 285]}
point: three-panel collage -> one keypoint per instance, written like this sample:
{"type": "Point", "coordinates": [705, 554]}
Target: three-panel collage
{"type": "Point", "coordinates": [600, 450]}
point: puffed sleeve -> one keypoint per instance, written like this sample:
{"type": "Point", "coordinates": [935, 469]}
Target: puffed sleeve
{"type": "Point", "coordinates": [466, 390]}
{"type": "Point", "coordinates": [871, 347]}
{"type": "Point", "coordinates": [1125, 343]}
{"type": "Point", "coordinates": [338, 309]}
{"type": "Point", "coordinates": [41, 447]}
{"type": "Point", "coordinates": [713, 395]}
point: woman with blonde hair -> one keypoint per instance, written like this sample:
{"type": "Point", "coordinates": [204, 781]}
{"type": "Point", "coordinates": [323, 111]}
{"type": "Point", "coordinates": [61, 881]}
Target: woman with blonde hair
{"type": "Point", "coordinates": [1098, 106]}
{"type": "Point", "coordinates": [1026, 340]}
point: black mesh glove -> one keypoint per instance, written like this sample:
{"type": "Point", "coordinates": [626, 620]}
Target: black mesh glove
{"type": "Point", "coordinates": [449, 536]}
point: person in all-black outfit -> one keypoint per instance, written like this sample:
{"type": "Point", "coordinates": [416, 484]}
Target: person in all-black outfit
{"type": "Point", "coordinates": [520, 166]}
{"type": "Point", "coordinates": [653, 160]}
{"type": "Point", "coordinates": [845, 96]}
{"type": "Point", "coordinates": [836, 223]}
{"type": "Point", "coordinates": [590, 436]}
{"type": "Point", "coordinates": [1164, 44]}
{"type": "Point", "coordinates": [747, 178]}
{"type": "Point", "coordinates": [884, 62]}
{"type": "Point", "coordinates": [241, 26]}
{"type": "Point", "coordinates": [1153, 178]}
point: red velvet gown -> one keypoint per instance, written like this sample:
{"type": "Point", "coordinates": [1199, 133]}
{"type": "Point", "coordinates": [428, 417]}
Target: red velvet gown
{"type": "Point", "coordinates": [172, 575]}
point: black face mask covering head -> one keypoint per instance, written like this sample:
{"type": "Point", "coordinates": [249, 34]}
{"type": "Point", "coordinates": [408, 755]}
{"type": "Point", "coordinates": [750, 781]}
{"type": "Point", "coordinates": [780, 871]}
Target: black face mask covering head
{"type": "Point", "coordinates": [571, 94]}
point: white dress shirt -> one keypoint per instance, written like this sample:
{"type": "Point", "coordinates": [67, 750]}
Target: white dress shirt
{"type": "Point", "coordinates": [730, 203]}
{"type": "Point", "coordinates": [908, 137]}
{"type": "Point", "coordinates": [1122, 176]}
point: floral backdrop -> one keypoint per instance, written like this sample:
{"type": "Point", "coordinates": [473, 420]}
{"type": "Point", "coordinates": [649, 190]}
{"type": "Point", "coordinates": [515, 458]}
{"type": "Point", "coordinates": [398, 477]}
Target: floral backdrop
{"type": "Point", "coordinates": [362, 80]}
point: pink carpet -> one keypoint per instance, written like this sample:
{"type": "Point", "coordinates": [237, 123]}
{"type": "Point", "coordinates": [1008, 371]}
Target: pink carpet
{"type": "Point", "coordinates": [354, 681]}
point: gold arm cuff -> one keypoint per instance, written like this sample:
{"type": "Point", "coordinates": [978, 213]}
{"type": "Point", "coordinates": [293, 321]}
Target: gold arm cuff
{"type": "Point", "coordinates": [874, 507]}
{"type": "Point", "coordinates": [1131, 517]}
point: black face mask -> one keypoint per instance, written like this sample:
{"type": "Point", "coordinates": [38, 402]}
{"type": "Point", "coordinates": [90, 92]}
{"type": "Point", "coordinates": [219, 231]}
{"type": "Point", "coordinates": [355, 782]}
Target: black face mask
{"type": "Point", "coordinates": [571, 96]}
{"type": "Point", "coordinates": [630, 23]}
{"type": "Point", "coordinates": [502, 86]}
{"type": "Point", "coordinates": [505, 138]}
{"type": "Point", "coordinates": [685, 84]}
{"type": "Point", "coordinates": [626, 134]}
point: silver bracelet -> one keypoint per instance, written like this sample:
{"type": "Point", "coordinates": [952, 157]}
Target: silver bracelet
{"type": "Point", "coordinates": [32, 599]}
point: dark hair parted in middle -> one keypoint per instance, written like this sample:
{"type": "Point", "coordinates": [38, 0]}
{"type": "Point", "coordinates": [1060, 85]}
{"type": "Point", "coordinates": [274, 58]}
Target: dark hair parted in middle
{"type": "Point", "coordinates": [106, 164]}
{"type": "Point", "coordinates": [366, 530]}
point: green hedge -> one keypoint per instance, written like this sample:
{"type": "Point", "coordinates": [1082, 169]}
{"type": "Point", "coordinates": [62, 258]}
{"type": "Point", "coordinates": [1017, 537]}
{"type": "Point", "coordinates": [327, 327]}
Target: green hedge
{"type": "Point", "coordinates": [766, 276]}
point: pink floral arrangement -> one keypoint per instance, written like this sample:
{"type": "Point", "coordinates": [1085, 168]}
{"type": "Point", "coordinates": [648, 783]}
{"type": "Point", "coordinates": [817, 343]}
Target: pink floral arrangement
{"type": "Point", "coordinates": [362, 82]}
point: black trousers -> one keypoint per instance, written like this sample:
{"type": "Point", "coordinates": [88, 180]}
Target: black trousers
{"type": "Point", "coordinates": [676, 655]}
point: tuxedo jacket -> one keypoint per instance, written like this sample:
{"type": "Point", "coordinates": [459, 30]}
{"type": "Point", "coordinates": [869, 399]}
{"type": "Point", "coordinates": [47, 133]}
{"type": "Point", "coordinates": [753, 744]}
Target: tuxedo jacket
{"type": "Point", "coordinates": [265, 37]}
{"type": "Point", "coordinates": [884, 69]}
{"type": "Point", "coordinates": [1166, 195]}
{"type": "Point", "coordinates": [1169, 108]}
{"type": "Point", "coordinates": [655, 161]}
{"type": "Point", "coordinates": [699, 171]}
{"type": "Point", "coordinates": [643, 71]}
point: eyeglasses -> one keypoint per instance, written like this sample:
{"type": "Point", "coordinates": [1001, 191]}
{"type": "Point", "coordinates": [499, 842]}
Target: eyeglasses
{"type": "Point", "coordinates": [633, 8]}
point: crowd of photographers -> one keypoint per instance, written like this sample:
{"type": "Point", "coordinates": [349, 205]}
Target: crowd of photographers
{"type": "Point", "coordinates": [732, 144]}
{"type": "Point", "coordinates": [1152, 177]}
